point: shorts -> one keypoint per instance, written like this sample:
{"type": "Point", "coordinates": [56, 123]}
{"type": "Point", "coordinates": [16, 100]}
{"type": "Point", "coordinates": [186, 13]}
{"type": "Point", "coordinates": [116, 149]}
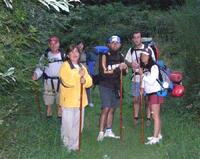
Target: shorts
{"type": "Point", "coordinates": [108, 97]}
{"type": "Point", "coordinates": [154, 99]}
{"type": "Point", "coordinates": [135, 87]}
{"type": "Point", "coordinates": [49, 96]}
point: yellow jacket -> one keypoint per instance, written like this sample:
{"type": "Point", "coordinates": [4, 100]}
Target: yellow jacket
{"type": "Point", "coordinates": [70, 86]}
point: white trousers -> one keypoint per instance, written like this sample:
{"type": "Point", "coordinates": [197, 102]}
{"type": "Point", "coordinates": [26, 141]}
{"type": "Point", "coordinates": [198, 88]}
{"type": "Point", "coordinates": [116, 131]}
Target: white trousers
{"type": "Point", "coordinates": [70, 127]}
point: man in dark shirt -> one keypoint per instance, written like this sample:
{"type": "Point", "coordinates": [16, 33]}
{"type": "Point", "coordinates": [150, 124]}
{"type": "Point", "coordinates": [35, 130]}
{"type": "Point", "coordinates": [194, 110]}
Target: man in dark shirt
{"type": "Point", "coordinates": [110, 65]}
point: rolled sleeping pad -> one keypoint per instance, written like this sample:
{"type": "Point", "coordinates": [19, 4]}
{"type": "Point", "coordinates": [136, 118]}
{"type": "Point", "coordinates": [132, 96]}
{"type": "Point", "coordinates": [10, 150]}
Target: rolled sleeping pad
{"type": "Point", "coordinates": [178, 91]}
{"type": "Point", "coordinates": [176, 76]}
{"type": "Point", "coordinates": [101, 49]}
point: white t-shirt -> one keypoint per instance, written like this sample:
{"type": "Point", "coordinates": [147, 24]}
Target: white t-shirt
{"type": "Point", "coordinates": [135, 57]}
{"type": "Point", "coordinates": [52, 69]}
{"type": "Point", "coordinates": [149, 81]}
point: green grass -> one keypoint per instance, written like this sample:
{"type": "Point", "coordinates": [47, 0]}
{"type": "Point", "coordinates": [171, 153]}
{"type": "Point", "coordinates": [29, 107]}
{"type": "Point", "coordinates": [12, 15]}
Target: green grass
{"type": "Point", "coordinates": [29, 135]}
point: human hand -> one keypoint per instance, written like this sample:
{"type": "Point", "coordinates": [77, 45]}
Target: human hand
{"type": "Point", "coordinates": [34, 76]}
{"type": "Point", "coordinates": [81, 72]}
{"type": "Point", "coordinates": [83, 80]}
{"type": "Point", "coordinates": [135, 65]}
{"type": "Point", "coordinates": [122, 66]}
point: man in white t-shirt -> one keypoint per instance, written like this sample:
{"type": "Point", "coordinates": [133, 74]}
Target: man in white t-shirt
{"type": "Point", "coordinates": [48, 67]}
{"type": "Point", "coordinates": [133, 61]}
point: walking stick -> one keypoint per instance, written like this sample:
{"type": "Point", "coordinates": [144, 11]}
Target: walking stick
{"type": "Point", "coordinates": [35, 89]}
{"type": "Point", "coordinates": [80, 121]}
{"type": "Point", "coordinates": [142, 114]}
{"type": "Point", "coordinates": [36, 97]}
{"type": "Point", "coordinates": [121, 102]}
{"type": "Point", "coordinates": [134, 89]}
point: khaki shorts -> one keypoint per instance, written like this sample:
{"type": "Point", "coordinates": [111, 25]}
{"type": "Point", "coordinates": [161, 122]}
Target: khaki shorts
{"type": "Point", "coordinates": [49, 95]}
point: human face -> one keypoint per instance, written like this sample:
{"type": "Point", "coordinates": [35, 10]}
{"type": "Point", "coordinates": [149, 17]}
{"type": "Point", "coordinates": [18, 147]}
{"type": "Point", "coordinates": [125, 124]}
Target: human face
{"type": "Point", "coordinates": [137, 39]}
{"type": "Point", "coordinates": [74, 55]}
{"type": "Point", "coordinates": [115, 46]}
{"type": "Point", "coordinates": [145, 58]}
{"type": "Point", "coordinates": [54, 46]}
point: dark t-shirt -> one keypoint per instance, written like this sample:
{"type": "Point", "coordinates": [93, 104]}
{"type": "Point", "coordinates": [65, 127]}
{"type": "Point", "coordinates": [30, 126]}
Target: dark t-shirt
{"type": "Point", "coordinates": [111, 80]}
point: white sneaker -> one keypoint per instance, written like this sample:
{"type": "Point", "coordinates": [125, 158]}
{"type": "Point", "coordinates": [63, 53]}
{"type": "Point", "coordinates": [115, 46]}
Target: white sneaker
{"type": "Point", "coordinates": [91, 105]}
{"type": "Point", "coordinates": [100, 136]}
{"type": "Point", "coordinates": [154, 140]}
{"type": "Point", "coordinates": [159, 137]}
{"type": "Point", "coordinates": [109, 133]}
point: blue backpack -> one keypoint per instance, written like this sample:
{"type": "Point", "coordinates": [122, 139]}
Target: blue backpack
{"type": "Point", "coordinates": [93, 66]}
{"type": "Point", "coordinates": [164, 80]}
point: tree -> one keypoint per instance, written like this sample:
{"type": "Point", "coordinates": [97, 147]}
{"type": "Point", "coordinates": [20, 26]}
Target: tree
{"type": "Point", "coordinates": [58, 5]}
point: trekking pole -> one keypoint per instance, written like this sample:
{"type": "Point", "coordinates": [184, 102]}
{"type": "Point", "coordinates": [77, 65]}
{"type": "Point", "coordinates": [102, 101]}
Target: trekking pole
{"type": "Point", "coordinates": [142, 115]}
{"type": "Point", "coordinates": [134, 89]}
{"type": "Point", "coordinates": [36, 97]}
{"type": "Point", "coordinates": [121, 102]}
{"type": "Point", "coordinates": [80, 121]}
{"type": "Point", "coordinates": [35, 89]}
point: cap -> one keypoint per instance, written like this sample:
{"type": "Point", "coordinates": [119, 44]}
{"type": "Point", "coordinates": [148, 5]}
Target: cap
{"type": "Point", "coordinates": [114, 38]}
{"type": "Point", "coordinates": [53, 39]}
{"type": "Point", "coordinates": [146, 52]}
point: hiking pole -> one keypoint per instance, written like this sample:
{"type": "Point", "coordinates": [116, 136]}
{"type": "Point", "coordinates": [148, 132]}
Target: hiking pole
{"type": "Point", "coordinates": [134, 90]}
{"type": "Point", "coordinates": [142, 114]}
{"type": "Point", "coordinates": [36, 98]}
{"type": "Point", "coordinates": [80, 120]}
{"type": "Point", "coordinates": [121, 102]}
{"type": "Point", "coordinates": [35, 89]}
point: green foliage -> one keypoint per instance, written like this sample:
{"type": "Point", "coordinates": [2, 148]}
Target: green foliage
{"type": "Point", "coordinates": [58, 5]}
{"type": "Point", "coordinates": [154, 4]}
{"type": "Point", "coordinates": [7, 80]}
{"type": "Point", "coordinates": [187, 21]}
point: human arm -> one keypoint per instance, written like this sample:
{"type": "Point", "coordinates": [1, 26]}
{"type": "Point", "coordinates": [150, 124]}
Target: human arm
{"type": "Point", "coordinates": [152, 76]}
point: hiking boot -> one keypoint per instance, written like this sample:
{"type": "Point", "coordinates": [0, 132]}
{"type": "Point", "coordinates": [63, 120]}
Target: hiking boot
{"type": "Point", "coordinates": [148, 122]}
{"type": "Point", "coordinates": [153, 141]}
{"type": "Point", "coordinates": [110, 134]}
{"type": "Point", "coordinates": [91, 105]}
{"type": "Point", "coordinates": [159, 137]}
{"type": "Point", "coordinates": [100, 136]}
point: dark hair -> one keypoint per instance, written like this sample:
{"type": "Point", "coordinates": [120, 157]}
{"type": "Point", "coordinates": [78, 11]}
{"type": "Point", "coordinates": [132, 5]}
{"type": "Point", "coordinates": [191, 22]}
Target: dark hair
{"type": "Point", "coordinates": [70, 48]}
{"type": "Point", "coordinates": [148, 65]}
{"type": "Point", "coordinates": [136, 32]}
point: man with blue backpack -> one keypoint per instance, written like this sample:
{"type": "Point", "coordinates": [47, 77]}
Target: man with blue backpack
{"type": "Point", "coordinates": [110, 66]}
{"type": "Point", "coordinates": [133, 61]}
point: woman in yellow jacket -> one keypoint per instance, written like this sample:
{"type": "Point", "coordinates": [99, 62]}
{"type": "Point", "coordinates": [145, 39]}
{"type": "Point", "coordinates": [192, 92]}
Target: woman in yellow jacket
{"type": "Point", "coordinates": [72, 74]}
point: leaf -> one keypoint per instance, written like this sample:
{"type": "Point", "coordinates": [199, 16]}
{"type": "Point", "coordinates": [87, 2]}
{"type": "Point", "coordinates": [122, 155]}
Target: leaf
{"type": "Point", "coordinates": [44, 3]}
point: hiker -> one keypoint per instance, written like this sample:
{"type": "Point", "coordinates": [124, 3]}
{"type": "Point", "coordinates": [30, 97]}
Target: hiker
{"type": "Point", "coordinates": [50, 73]}
{"type": "Point", "coordinates": [110, 66]}
{"type": "Point", "coordinates": [84, 59]}
{"type": "Point", "coordinates": [133, 60]}
{"type": "Point", "coordinates": [72, 74]}
{"type": "Point", "coordinates": [149, 72]}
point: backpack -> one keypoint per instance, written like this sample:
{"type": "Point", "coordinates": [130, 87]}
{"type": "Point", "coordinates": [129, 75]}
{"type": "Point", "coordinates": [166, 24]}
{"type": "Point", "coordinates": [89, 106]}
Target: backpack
{"type": "Point", "coordinates": [148, 42]}
{"type": "Point", "coordinates": [98, 52]}
{"type": "Point", "coordinates": [45, 76]}
{"type": "Point", "coordinates": [63, 55]}
{"type": "Point", "coordinates": [164, 79]}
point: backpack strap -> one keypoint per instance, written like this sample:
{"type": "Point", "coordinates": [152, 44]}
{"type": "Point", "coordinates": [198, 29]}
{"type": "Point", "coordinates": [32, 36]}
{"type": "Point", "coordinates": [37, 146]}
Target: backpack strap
{"type": "Point", "coordinates": [135, 50]}
{"type": "Point", "coordinates": [62, 53]}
